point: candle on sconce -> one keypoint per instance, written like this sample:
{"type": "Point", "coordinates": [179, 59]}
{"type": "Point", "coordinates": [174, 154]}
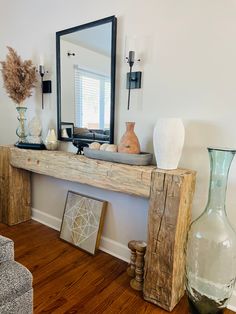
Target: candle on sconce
{"type": "Point", "coordinates": [130, 45]}
{"type": "Point", "coordinates": [41, 60]}
{"type": "Point", "coordinates": [41, 65]}
{"type": "Point", "coordinates": [131, 56]}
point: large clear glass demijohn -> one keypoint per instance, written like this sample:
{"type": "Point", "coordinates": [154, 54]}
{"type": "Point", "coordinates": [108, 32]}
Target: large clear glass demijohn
{"type": "Point", "coordinates": [211, 246]}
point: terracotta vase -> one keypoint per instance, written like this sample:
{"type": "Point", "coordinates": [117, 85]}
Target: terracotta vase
{"type": "Point", "coordinates": [129, 142]}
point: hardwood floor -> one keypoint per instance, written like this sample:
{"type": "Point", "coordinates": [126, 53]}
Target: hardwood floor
{"type": "Point", "coordinates": [67, 280]}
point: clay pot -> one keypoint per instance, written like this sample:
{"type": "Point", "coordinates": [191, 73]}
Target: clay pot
{"type": "Point", "coordinates": [129, 142]}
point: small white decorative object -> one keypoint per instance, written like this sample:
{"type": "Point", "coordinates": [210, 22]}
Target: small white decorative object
{"type": "Point", "coordinates": [64, 133]}
{"type": "Point", "coordinates": [51, 142]}
{"type": "Point", "coordinates": [168, 141]}
{"type": "Point", "coordinates": [95, 145]}
{"type": "Point", "coordinates": [35, 131]}
{"type": "Point", "coordinates": [104, 146]}
{"type": "Point", "coordinates": [111, 148]}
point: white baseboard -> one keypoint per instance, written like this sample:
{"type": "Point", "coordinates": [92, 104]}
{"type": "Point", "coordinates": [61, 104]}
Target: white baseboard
{"type": "Point", "coordinates": [115, 248]}
{"type": "Point", "coordinates": [107, 245]}
{"type": "Point", "coordinates": [46, 219]}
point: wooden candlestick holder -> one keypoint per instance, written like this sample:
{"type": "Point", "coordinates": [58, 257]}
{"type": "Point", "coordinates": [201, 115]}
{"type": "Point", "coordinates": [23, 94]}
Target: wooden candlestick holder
{"type": "Point", "coordinates": [140, 248]}
{"type": "Point", "coordinates": [131, 267]}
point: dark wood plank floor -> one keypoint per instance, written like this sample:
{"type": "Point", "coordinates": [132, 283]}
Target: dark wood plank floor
{"type": "Point", "coordinates": [67, 280]}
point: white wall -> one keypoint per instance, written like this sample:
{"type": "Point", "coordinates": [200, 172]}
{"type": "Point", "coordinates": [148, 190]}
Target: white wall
{"type": "Point", "coordinates": [188, 51]}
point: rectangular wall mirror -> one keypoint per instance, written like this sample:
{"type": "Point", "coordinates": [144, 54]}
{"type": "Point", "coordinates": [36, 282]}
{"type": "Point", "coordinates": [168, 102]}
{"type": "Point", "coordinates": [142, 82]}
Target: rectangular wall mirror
{"type": "Point", "coordinates": [86, 60]}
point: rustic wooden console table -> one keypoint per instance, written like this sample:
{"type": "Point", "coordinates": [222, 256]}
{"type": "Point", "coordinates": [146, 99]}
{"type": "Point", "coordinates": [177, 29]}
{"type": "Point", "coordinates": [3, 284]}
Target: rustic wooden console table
{"type": "Point", "coordinates": [170, 194]}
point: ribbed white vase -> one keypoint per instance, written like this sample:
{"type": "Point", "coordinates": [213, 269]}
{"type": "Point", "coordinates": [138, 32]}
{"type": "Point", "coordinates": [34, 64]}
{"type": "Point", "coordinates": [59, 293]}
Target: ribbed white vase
{"type": "Point", "coordinates": [168, 141]}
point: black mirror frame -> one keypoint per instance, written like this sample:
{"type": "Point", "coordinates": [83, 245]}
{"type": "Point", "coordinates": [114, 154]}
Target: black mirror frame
{"type": "Point", "coordinates": [113, 20]}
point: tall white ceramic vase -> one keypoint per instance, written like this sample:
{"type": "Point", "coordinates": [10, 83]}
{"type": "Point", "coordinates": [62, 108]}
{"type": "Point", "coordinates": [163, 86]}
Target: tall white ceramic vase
{"type": "Point", "coordinates": [168, 141]}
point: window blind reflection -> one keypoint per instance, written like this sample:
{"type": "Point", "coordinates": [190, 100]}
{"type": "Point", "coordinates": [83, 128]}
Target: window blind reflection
{"type": "Point", "coordinates": [92, 99]}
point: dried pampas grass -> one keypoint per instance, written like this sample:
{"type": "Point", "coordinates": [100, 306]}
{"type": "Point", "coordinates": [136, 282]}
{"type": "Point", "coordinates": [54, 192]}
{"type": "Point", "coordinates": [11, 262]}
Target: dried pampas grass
{"type": "Point", "coordinates": [19, 76]}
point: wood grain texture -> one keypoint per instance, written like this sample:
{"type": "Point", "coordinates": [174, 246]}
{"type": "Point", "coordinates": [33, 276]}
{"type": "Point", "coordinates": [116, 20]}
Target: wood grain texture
{"type": "Point", "coordinates": [15, 192]}
{"type": "Point", "coordinates": [68, 166]}
{"type": "Point", "coordinates": [169, 212]}
{"type": "Point", "coordinates": [168, 222]}
{"type": "Point", "coordinates": [4, 183]}
{"type": "Point", "coordinates": [135, 180]}
{"type": "Point", "coordinates": [67, 280]}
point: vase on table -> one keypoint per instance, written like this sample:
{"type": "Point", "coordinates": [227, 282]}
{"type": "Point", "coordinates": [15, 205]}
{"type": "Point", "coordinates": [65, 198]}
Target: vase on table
{"type": "Point", "coordinates": [168, 141]}
{"type": "Point", "coordinates": [129, 142]}
{"type": "Point", "coordinates": [211, 246]}
{"type": "Point", "coordinates": [51, 141]}
{"type": "Point", "coordinates": [21, 130]}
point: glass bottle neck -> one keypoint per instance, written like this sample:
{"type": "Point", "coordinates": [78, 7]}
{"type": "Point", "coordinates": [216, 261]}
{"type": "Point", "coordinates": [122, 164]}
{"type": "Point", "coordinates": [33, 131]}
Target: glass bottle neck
{"type": "Point", "coordinates": [220, 161]}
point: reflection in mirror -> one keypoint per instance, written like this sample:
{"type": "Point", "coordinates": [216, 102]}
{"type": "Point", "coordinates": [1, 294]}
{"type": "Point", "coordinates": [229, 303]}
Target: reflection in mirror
{"type": "Point", "coordinates": [86, 81]}
{"type": "Point", "coordinates": [67, 130]}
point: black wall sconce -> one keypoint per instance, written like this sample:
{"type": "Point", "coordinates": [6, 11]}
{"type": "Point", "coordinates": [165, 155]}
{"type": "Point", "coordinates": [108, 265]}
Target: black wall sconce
{"type": "Point", "coordinates": [46, 86]}
{"type": "Point", "coordinates": [133, 78]}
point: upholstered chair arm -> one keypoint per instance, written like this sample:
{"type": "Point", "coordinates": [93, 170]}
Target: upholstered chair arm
{"type": "Point", "coordinates": [6, 249]}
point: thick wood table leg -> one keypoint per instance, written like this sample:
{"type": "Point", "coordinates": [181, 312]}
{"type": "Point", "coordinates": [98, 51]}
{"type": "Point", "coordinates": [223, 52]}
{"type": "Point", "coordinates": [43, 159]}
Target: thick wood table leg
{"type": "Point", "coordinates": [15, 191]}
{"type": "Point", "coordinates": [168, 223]}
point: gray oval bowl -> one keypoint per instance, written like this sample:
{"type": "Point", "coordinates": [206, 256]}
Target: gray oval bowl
{"type": "Point", "coordinates": [142, 159]}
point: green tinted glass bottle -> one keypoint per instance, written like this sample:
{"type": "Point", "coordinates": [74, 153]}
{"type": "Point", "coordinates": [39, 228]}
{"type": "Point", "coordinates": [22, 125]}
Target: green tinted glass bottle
{"type": "Point", "coordinates": [211, 246]}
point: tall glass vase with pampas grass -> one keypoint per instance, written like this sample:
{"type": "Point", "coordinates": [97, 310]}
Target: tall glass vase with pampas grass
{"type": "Point", "coordinates": [19, 78]}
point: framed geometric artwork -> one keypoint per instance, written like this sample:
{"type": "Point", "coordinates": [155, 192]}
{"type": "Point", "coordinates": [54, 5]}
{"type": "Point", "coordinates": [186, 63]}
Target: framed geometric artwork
{"type": "Point", "coordinates": [82, 221]}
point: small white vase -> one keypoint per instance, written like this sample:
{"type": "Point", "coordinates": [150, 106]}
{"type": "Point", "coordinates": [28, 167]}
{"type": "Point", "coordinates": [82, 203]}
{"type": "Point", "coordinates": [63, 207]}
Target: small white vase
{"type": "Point", "coordinates": [51, 142]}
{"type": "Point", "coordinates": [168, 141]}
